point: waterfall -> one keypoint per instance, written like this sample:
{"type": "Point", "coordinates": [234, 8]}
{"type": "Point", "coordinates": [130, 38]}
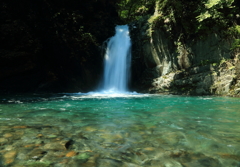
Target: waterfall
{"type": "Point", "coordinates": [117, 61]}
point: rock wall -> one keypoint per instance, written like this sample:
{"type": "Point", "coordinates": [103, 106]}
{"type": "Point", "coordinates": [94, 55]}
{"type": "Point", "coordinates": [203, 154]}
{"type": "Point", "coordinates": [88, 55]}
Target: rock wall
{"type": "Point", "coordinates": [192, 66]}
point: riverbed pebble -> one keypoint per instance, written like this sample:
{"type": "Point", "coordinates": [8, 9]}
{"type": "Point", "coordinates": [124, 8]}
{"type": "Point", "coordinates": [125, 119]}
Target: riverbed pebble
{"type": "Point", "coordinates": [91, 146]}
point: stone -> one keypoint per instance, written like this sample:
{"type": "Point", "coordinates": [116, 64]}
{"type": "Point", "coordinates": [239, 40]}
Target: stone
{"type": "Point", "coordinates": [71, 154]}
{"type": "Point", "coordinates": [3, 141]}
{"type": "Point", "coordinates": [200, 91]}
{"type": "Point", "coordinates": [29, 145]}
{"type": "Point", "coordinates": [37, 164]}
{"type": "Point", "coordinates": [51, 136]}
{"type": "Point", "coordinates": [126, 164]}
{"type": "Point", "coordinates": [84, 157]}
{"type": "Point", "coordinates": [39, 135]}
{"type": "Point", "coordinates": [10, 154]}
{"type": "Point", "coordinates": [90, 129]}
{"type": "Point", "coordinates": [237, 90]}
{"type": "Point", "coordinates": [109, 162]}
{"type": "Point", "coordinates": [149, 148]}
{"type": "Point", "coordinates": [62, 144]}
{"type": "Point", "coordinates": [9, 148]}
{"type": "Point", "coordinates": [9, 157]}
{"type": "Point", "coordinates": [54, 146]}
{"type": "Point", "coordinates": [230, 156]}
{"type": "Point", "coordinates": [7, 135]}
{"type": "Point", "coordinates": [37, 154]}
{"type": "Point", "coordinates": [91, 161]}
{"type": "Point", "coordinates": [20, 127]}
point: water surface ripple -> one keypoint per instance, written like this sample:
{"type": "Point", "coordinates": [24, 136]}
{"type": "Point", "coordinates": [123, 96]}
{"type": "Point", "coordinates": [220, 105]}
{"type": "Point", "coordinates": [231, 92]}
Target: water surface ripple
{"type": "Point", "coordinates": [122, 130]}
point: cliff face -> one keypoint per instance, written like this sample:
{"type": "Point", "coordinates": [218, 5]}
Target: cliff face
{"type": "Point", "coordinates": [53, 46]}
{"type": "Point", "coordinates": [166, 60]}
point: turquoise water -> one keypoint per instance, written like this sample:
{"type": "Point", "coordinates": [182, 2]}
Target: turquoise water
{"type": "Point", "coordinates": [156, 129]}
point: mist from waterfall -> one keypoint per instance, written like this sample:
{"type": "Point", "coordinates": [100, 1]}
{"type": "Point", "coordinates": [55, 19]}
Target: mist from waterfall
{"type": "Point", "coordinates": [117, 62]}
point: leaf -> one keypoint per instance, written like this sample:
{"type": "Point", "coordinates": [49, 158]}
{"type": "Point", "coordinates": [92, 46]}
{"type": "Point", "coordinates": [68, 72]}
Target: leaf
{"type": "Point", "coordinates": [203, 16]}
{"type": "Point", "coordinates": [212, 3]}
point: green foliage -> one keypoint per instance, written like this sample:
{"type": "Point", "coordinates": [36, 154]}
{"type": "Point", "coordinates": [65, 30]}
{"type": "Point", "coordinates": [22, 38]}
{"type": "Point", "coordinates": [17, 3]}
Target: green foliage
{"type": "Point", "coordinates": [235, 31]}
{"type": "Point", "coordinates": [216, 15]}
{"type": "Point", "coordinates": [236, 44]}
{"type": "Point", "coordinates": [130, 10]}
{"type": "Point", "coordinates": [213, 9]}
{"type": "Point", "coordinates": [197, 17]}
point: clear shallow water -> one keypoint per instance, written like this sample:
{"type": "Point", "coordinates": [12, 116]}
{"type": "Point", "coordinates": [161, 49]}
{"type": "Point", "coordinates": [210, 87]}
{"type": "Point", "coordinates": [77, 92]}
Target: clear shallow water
{"type": "Point", "coordinates": [155, 129]}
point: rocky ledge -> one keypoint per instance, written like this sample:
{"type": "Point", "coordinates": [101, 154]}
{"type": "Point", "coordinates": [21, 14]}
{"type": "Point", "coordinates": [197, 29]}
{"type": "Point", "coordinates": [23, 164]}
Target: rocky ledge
{"type": "Point", "coordinates": [212, 79]}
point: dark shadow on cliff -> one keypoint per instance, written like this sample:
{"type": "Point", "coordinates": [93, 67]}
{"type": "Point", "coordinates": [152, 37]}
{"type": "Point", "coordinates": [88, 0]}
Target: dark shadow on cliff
{"type": "Point", "coordinates": [53, 46]}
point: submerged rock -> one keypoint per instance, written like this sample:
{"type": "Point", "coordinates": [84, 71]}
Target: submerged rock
{"type": "Point", "coordinates": [109, 162]}
{"type": "Point", "coordinates": [3, 141]}
{"type": "Point", "coordinates": [9, 157]}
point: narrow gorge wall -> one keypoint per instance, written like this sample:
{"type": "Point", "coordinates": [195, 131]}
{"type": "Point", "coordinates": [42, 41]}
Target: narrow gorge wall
{"type": "Point", "coordinates": [178, 65]}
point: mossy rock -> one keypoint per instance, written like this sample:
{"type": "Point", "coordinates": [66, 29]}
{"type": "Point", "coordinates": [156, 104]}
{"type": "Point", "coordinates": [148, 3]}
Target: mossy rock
{"type": "Point", "coordinates": [83, 156]}
{"type": "Point", "coordinates": [37, 164]}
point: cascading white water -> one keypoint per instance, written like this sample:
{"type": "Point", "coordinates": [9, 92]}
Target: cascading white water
{"type": "Point", "coordinates": [117, 61]}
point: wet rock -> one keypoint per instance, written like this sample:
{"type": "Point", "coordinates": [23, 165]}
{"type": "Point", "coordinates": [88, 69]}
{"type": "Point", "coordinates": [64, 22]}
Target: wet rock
{"type": "Point", "coordinates": [148, 148]}
{"type": "Point", "coordinates": [230, 156]}
{"type": "Point", "coordinates": [9, 148]}
{"type": "Point", "coordinates": [10, 154]}
{"type": "Point", "coordinates": [201, 91]}
{"type": "Point", "coordinates": [18, 134]}
{"type": "Point", "coordinates": [109, 162]}
{"type": "Point", "coordinates": [209, 162]}
{"type": "Point", "coordinates": [3, 141]}
{"type": "Point", "coordinates": [22, 156]}
{"type": "Point", "coordinates": [90, 129]}
{"type": "Point", "coordinates": [52, 156]}
{"type": "Point", "coordinates": [30, 145]}
{"type": "Point", "coordinates": [62, 144]}
{"type": "Point", "coordinates": [71, 154]}
{"type": "Point", "coordinates": [49, 131]}
{"type": "Point", "coordinates": [39, 135]}
{"type": "Point", "coordinates": [82, 135]}
{"type": "Point", "coordinates": [37, 164]}
{"type": "Point", "coordinates": [8, 135]}
{"type": "Point", "coordinates": [54, 146]}
{"type": "Point", "coordinates": [172, 138]}
{"type": "Point", "coordinates": [173, 163]}
{"type": "Point", "coordinates": [81, 160]}
{"type": "Point", "coordinates": [203, 163]}
{"type": "Point", "coordinates": [91, 161]}
{"type": "Point", "coordinates": [62, 163]}
{"type": "Point", "coordinates": [83, 157]}
{"type": "Point", "coordinates": [9, 157]}
{"type": "Point", "coordinates": [51, 136]}
{"type": "Point", "coordinates": [36, 154]}
{"type": "Point", "coordinates": [189, 159]}
{"type": "Point", "coordinates": [67, 143]}
{"type": "Point", "coordinates": [20, 127]}
{"type": "Point", "coordinates": [75, 163]}
{"type": "Point", "coordinates": [126, 164]}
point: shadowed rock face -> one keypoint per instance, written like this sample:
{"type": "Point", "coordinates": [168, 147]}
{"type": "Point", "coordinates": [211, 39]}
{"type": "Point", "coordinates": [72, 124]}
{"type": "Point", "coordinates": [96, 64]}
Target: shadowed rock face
{"type": "Point", "coordinates": [194, 66]}
{"type": "Point", "coordinates": [54, 45]}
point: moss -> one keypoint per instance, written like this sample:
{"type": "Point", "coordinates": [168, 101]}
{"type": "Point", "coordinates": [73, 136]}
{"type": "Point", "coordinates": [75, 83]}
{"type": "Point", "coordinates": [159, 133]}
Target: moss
{"type": "Point", "coordinates": [37, 164]}
{"type": "Point", "coordinates": [83, 157]}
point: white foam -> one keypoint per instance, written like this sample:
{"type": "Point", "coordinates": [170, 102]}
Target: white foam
{"type": "Point", "coordinates": [106, 94]}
